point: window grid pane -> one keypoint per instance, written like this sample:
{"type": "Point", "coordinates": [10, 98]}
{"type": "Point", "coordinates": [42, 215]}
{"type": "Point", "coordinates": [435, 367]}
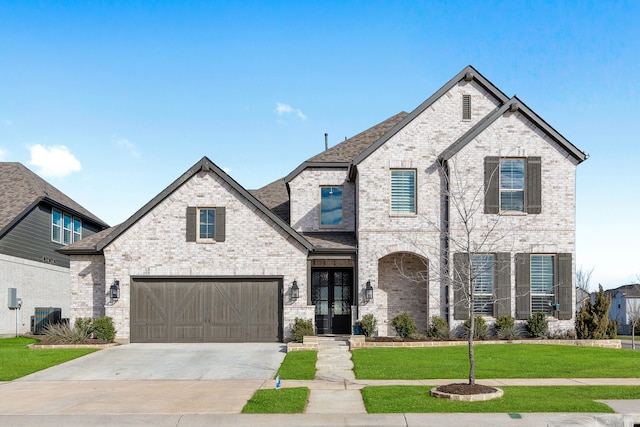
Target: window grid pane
{"type": "Point", "coordinates": [77, 229]}
{"type": "Point", "coordinates": [207, 223]}
{"type": "Point", "coordinates": [56, 226]}
{"type": "Point", "coordinates": [331, 205]}
{"type": "Point", "coordinates": [542, 276]}
{"type": "Point", "coordinates": [403, 191]}
{"type": "Point", "coordinates": [67, 230]}
{"type": "Point", "coordinates": [512, 185]}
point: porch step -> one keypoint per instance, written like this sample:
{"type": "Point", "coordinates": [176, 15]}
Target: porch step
{"type": "Point", "coordinates": [334, 359]}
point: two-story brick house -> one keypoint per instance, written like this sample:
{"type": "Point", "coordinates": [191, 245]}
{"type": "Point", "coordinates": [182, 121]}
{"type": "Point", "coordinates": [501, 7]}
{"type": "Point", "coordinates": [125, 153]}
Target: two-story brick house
{"type": "Point", "coordinates": [384, 222]}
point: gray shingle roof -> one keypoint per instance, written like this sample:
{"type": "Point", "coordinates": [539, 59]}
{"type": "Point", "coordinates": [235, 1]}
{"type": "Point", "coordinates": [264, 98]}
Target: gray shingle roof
{"type": "Point", "coordinates": [21, 189]}
{"type": "Point", "coordinates": [332, 241]}
{"type": "Point", "coordinates": [632, 290]}
{"type": "Point", "coordinates": [275, 197]}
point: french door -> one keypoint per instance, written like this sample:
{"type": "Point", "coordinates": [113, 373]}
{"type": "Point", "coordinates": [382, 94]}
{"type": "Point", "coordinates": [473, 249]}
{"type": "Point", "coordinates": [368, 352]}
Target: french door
{"type": "Point", "coordinates": [332, 294]}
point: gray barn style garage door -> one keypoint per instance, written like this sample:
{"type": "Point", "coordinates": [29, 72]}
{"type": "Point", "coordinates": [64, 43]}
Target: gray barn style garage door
{"type": "Point", "coordinates": [206, 310]}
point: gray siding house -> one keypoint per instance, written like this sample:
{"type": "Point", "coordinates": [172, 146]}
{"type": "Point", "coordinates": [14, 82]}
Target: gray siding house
{"type": "Point", "coordinates": [36, 219]}
{"type": "Point", "coordinates": [625, 306]}
{"type": "Point", "coordinates": [384, 222]}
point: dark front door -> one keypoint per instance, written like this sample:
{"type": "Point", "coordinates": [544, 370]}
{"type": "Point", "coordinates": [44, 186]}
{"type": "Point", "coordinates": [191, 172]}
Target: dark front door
{"type": "Point", "coordinates": [332, 294]}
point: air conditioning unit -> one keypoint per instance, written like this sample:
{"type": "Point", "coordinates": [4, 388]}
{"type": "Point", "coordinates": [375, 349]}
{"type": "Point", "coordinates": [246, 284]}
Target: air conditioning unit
{"type": "Point", "coordinates": [44, 316]}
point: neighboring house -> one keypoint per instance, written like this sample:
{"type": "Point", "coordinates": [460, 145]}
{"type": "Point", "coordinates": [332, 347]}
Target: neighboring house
{"type": "Point", "coordinates": [36, 219]}
{"type": "Point", "coordinates": [582, 296]}
{"type": "Point", "coordinates": [625, 306]}
{"type": "Point", "coordinates": [367, 226]}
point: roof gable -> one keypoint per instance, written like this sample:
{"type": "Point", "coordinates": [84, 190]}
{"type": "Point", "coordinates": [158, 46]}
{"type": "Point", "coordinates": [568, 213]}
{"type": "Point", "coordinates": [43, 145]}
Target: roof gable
{"type": "Point", "coordinates": [96, 245]}
{"type": "Point", "coordinates": [21, 190]}
{"type": "Point", "coordinates": [513, 105]}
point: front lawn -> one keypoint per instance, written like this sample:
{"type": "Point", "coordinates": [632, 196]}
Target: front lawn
{"type": "Point", "coordinates": [283, 401]}
{"type": "Point", "coordinates": [416, 399]}
{"type": "Point", "coordinates": [298, 365]}
{"type": "Point", "coordinates": [496, 361]}
{"type": "Point", "coordinates": [16, 360]}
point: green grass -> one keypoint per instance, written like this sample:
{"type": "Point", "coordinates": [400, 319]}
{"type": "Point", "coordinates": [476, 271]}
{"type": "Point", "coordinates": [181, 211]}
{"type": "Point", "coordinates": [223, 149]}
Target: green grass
{"type": "Point", "coordinates": [283, 401]}
{"type": "Point", "coordinates": [298, 365]}
{"type": "Point", "coordinates": [16, 360]}
{"type": "Point", "coordinates": [416, 399]}
{"type": "Point", "coordinates": [496, 361]}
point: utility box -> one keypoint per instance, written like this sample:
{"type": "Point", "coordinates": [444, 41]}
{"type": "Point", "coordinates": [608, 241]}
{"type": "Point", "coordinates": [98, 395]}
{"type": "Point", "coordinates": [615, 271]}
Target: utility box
{"type": "Point", "coordinates": [12, 300]}
{"type": "Point", "coordinates": [45, 316]}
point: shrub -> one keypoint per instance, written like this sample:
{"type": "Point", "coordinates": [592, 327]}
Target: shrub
{"type": "Point", "coordinates": [480, 328]}
{"type": "Point", "coordinates": [404, 324]}
{"type": "Point", "coordinates": [438, 328]}
{"type": "Point", "coordinates": [84, 326]}
{"type": "Point", "coordinates": [537, 325]}
{"type": "Point", "coordinates": [592, 321]}
{"type": "Point", "coordinates": [65, 333]}
{"type": "Point", "coordinates": [506, 328]}
{"type": "Point", "coordinates": [103, 329]}
{"type": "Point", "coordinates": [368, 325]}
{"type": "Point", "coordinates": [301, 328]}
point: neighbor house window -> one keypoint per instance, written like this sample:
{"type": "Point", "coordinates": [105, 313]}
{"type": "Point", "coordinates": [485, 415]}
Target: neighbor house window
{"type": "Point", "coordinates": [542, 275]}
{"type": "Point", "coordinates": [403, 191]}
{"type": "Point", "coordinates": [206, 223]}
{"type": "Point", "coordinates": [65, 228]}
{"type": "Point", "coordinates": [482, 271]}
{"type": "Point", "coordinates": [512, 185]}
{"type": "Point", "coordinates": [331, 206]}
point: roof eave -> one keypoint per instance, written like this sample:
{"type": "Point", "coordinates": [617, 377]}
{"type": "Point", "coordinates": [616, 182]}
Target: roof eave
{"type": "Point", "coordinates": [317, 165]}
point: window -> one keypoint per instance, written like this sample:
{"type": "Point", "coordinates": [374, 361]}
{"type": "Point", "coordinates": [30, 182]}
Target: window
{"type": "Point", "coordinates": [512, 185]}
{"type": "Point", "coordinates": [466, 107]}
{"type": "Point", "coordinates": [206, 224]}
{"type": "Point", "coordinates": [482, 271]}
{"type": "Point", "coordinates": [403, 191]}
{"type": "Point", "coordinates": [331, 206]}
{"type": "Point", "coordinates": [542, 275]}
{"type": "Point", "coordinates": [65, 228]}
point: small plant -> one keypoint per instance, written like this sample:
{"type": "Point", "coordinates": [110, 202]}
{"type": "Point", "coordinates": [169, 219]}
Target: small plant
{"type": "Point", "coordinates": [537, 325]}
{"type": "Point", "coordinates": [404, 324]}
{"type": "Point", "coordinates": [103, 329]}
{"type": "Point", "coordinates": [65, 333]}
{"type": "Point", "coordinates": [301, 328]}
{"type": "Point", "coordinates": [368, 325]}
{"type": "Point", "coordinates": [438, 328]}
{"type": "Point", "coordinates": [480, 328]}
{"type": "Point", "coordinates": [506, 328]}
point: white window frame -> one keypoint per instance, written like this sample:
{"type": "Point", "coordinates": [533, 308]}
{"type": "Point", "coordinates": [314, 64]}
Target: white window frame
{"type": "Point", "coordinates": [63, 229]}
{"type": "Point", "coordinates": [198, 224]}
{"type": "Point", "coordinates": [542, 301]}
{"type": "Point", "coordinates": [396, 211]}
{"type": "Point", "coordinates": [483, 281]}
{"type": "Point", "coordinates": [341, 223]}
{"type": "Point", "coordinates": [522, 190]}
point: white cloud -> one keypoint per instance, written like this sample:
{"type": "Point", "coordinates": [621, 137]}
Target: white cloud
{"type": "Point", "coordinates": [3, 153]}
{"type": "Point", "coordinates": [282, 109]}
{"type": "Point", "coordinates": [129, 147]}
{"type": "Point", "coordinates": [54, 161]}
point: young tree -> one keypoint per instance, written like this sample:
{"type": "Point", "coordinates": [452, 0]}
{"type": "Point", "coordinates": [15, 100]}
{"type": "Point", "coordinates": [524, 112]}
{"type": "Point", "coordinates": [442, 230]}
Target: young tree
{"type": "Point", "coordinates": [633, 317]}
{"type": "Point", "coordinates": [593, 320]}
{"type": "Point", "coordinates": [583, 278]}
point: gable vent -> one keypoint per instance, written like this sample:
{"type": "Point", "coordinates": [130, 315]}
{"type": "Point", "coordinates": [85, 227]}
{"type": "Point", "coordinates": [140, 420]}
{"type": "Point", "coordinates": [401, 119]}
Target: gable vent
{"type": "Point", "coordinates": [466, 107]}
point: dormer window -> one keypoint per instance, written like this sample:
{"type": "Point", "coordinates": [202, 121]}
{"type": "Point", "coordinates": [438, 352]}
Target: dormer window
{"type": "Point", "coordinates": [65, 228]}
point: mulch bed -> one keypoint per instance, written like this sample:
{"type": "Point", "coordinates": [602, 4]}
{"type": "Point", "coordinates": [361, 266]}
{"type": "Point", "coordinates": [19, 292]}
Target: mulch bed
{"type": "Point", "coordinates": [398, 339]}
{"type": "Point", "coordinates": [466, 389]}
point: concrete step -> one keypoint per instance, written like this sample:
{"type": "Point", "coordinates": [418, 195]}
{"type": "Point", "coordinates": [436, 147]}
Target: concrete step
{"type": "Point", "coordinates": [334, 356]}
{"type": "Point", "coordinates": [337, 375]}
{"type": "Point", "coordinates": [334, 364]}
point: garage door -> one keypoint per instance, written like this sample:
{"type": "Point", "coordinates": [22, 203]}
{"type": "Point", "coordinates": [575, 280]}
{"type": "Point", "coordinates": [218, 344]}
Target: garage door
{"type": "Point", "coordinates": [206, 310]}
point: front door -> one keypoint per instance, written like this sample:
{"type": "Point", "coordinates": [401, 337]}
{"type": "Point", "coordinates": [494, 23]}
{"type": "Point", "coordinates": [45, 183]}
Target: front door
{"type": "Point", "coordinates": [332, 294]}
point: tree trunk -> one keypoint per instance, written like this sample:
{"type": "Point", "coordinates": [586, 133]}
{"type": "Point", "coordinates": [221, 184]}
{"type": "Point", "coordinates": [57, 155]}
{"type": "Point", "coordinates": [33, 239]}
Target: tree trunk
{"type": "Point", "coordinates": [472, 360]}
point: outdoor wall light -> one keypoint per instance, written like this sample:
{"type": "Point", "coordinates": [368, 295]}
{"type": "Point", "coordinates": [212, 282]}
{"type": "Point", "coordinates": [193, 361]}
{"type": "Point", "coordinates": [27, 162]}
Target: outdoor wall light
{"type": "Point", "coordinates": [368, 291]}
{"type": "Point", "coordinates": [295, 291]}
{"type": "Point", "coordinates": [114, 290]}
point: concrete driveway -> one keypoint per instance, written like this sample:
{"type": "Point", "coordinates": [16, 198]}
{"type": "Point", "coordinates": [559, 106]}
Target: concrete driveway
{"type": "Point", "coordinates": [141, 362]}
{"type": "Point", "coordinates": [142, 379]}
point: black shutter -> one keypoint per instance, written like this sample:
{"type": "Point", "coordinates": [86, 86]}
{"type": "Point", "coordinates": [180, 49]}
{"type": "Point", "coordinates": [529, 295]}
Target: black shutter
{"type": "Point", "coordinates": [523, 287]}
{"type": "Point", "coordinates": [502, 277]}
{"type": "Point", "coordinates": [491, 185]}
{"type": "Point", "coordinates": [564, 285]}
{"type": "Point", "coordinates": [460, 288]}
{"type": "Point", "coordinates": [534, 185]}
{"type": "Point", "coordinates": [191, 224]}
{"type": "Point", "coordinates": [220, 224]}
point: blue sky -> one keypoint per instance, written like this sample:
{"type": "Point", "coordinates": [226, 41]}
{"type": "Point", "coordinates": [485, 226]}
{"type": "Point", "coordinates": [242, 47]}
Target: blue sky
{"type": "Point", "coordinates": [111, 101]}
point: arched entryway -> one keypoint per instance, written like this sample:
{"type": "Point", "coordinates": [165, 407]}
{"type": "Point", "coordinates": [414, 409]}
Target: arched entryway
{"type": "Point", "coordinates": [403, 285]}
